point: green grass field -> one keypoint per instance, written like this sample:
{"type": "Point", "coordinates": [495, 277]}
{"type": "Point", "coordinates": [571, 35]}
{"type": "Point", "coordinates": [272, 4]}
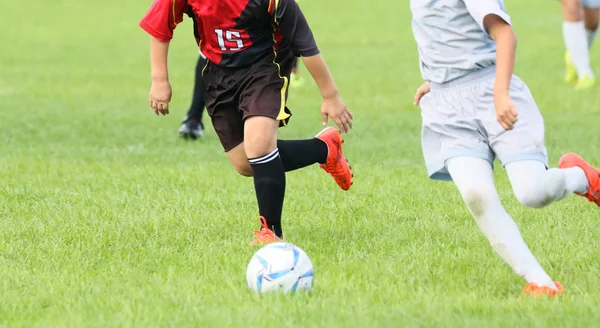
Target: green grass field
{"type": "Point", "coordinates": [108, 220]}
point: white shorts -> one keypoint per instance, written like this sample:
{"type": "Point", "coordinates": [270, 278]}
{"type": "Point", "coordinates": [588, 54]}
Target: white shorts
{"type": "Point", "coordinates": [459, 119]}
{"type": "Point", "coordinates": [590, 3]}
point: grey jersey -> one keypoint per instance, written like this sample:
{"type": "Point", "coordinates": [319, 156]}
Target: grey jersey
{"type": "Point", "coordinates": [451, 37]}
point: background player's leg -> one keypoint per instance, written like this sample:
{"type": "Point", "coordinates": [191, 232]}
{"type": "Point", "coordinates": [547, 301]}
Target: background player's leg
{"type": "Point", "coordinates": [295, 78]}
{"type": "Point", "coordinates": [260, 143]}
{"type": "Point", "coordinates": [577, 45]}
{"type": "Point", "coordinates": [475, 181]}
{"type": "Point", "coordinates": [535, 186]}
{"type": "Point", "coordinates": [591, 17]}
{"type": "Point", "coordinates": [192, 126]}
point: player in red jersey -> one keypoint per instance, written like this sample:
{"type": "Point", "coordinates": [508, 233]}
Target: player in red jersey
{"type": "Point", "coordinates": [250, 46]}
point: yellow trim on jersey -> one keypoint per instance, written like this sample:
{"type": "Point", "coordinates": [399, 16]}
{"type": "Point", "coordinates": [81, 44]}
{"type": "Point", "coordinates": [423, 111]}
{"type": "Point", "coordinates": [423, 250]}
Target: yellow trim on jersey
{"type": "Point", "coordinates": [205, 60]}
{"type": "Point", "coordinates": [173, 11]}
{"type": "Point", "coordinates": [282, 116]}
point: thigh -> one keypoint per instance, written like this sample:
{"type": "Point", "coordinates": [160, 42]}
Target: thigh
{"type": "Point", "coordinates": [265, 87]}
{"type": "Point", "coordinates": [526, 140]}
{"type": "Point", "coordinates": [222, 105]}
{"type": "Point", "coordinates": [449, 131]}
{"type": "Point", "coordinates": [474, 178]}
{"type": "Point", "coordinates": [525, 176]}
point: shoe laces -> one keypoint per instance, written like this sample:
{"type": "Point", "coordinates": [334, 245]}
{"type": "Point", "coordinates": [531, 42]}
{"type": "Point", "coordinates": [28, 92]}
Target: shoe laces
{"type": "Point", "coordinates": [264, 231]}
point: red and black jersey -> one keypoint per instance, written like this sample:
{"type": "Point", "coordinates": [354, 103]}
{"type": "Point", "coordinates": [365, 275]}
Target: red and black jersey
{"type": "Point", "coordinates": [235, 33]}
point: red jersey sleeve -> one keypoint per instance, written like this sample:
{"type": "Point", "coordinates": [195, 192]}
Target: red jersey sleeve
{"type": "Point", "coordinates": [162, 18]}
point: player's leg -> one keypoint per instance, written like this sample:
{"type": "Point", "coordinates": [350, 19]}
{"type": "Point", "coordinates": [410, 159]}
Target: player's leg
{"type": "Point", "coordinates": [577, 58]}
{"type": "Point", "coordinates": [535, 186]}
{"type": "Point", "coordinates": [591, 18]}
{"type": "Point", "coordinates": [475, 180]}
{"type": "Point", "coordinates": [456, 145]}
{"type": "Point", "coordinates": [522, 151]}
{"type": "Point", "coordinates": [260, 144]}
{"type": "Point", "coordinates": [192, 126]}
{"type": "Point", "coordinates": [296, 79]}
{"type": "Point", "coordinates": [270, 100]}
{"type": "Point", "coordinates": [295, 154]}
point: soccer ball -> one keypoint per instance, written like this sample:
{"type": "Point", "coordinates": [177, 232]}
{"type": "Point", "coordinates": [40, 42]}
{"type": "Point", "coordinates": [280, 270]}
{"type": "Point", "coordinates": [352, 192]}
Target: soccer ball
{"type": "Point", "coordinates": [279, 267]}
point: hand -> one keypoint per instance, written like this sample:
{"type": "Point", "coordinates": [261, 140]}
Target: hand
{"type": "Point", "coordinates": [160, 96]}
{"type": "Point", "coordinates": [506, 113]}
{"type": "Point", "coordinates": [335, 108]}
{"type": "Point", "coordinates": [421, 91]}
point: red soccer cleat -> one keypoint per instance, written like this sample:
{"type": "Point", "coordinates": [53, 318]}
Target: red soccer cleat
{"type": "Point", "coordinates": [336, 165]}
{"type": "Point", "coordinates": [264, 235]}
{"type": "Point", "coordinates": [593, 175]}
{"type": "Point", "coordinates": [532, 289]}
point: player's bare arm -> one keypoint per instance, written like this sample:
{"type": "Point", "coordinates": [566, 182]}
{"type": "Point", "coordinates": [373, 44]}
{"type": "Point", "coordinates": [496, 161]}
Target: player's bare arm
{"type": "Point", "coordinates": [160, 91]}
{"type": "Point", "coordinates": [333, 106]}
{"type": "Point", "coordinates": [421, 91]}
{"type": "Point", "coordinates": [294, 28]}
{"type": "Point", "coordinates": [506, 44]}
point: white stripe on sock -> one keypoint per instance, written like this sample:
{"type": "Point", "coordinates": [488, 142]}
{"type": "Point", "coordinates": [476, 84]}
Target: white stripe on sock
{"type": "Point", "coordinates": [265, 159]}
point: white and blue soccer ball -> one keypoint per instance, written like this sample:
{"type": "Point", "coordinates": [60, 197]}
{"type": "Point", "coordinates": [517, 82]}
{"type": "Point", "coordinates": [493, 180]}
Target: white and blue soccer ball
{"type": "Point", "coordinates": [280, 267]}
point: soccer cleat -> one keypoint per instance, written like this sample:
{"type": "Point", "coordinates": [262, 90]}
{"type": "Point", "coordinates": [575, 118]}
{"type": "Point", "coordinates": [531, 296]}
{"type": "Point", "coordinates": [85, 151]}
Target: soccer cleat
{"type": "Point", "coordinates": [585, 82]}
{"type": "Point", "coordinates": [296, 81]}
{"type": "Point", "coordinates": [570, 71]}
{"type": "Point", "coordinates": [191, 128]}
{"type": "Point", "coordinates": [265, 235]}
{"type": "Point", "coordinates": [593, 175]}
{"type": "Point", "coordinates": [534, 290]}
{"type": "Point", "coordinates": [336, 164]}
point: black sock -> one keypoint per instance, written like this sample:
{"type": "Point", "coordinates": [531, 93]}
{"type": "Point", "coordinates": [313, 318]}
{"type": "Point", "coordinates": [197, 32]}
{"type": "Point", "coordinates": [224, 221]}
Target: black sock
{"type": "Point", "coordinates": [197, 107]}
{"type": "Point", "coordinates": [269, 182]}
{"type": "Point", "coordinates": [296, 154]}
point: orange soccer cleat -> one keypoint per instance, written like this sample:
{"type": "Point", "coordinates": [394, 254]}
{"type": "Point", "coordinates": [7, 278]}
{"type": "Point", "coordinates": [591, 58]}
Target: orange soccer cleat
{"type": "Point", "coordinates": [533, 289]}
{"type": "Point", "coordinates": [336, 165]}
{"type": "Point", "coordinates": [593, 174]}
{"type": "Point", "coordinates": [264, 235]}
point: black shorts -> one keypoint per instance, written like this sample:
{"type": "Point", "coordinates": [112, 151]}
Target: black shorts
{"type": "Point", "coordinates": [234, 94]}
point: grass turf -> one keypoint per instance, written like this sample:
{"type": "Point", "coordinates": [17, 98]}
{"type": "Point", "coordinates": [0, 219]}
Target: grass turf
{"type": "Point", "coordinates": [106, 219]}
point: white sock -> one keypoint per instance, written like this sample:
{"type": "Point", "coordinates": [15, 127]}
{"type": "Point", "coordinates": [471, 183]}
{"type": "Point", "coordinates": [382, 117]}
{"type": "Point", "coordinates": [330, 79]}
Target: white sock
{"type": "Point", "coordinates": [576, 180]}
{"type": "Point", "coordinates": [591, 36]}
{"type": "Point", "coordinates": [577, 45]}
{"type": "Point", "coordinates": [475, 181]}
{"type": "Point", "coordinates": [536, 187]}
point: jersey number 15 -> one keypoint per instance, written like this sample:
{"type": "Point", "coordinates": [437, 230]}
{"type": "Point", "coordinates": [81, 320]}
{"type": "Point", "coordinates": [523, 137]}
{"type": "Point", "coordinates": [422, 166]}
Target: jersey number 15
{"type": "Point", "coordinates": [233, 38]}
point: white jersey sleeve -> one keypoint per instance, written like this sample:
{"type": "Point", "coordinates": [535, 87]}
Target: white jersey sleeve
{"type": "Point", "coordinates": [479, 9]}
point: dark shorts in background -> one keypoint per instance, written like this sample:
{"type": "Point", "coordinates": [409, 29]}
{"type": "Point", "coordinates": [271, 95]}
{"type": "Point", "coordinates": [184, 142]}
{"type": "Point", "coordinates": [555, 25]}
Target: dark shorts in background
{"type": "Point", "coordinates": [232, 95]}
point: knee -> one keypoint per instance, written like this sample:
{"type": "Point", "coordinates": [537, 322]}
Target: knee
{"type": "Point", "coordinates": [477, 200]}
{"type": "Point", "coordinates": [260, 136]}
{"type": "Point", "coordinates": [571, 10]}
{"type": "Point", "coordinates": [539, 192]}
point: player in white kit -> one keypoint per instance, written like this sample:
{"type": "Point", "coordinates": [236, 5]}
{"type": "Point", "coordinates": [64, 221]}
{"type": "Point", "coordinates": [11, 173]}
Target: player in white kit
{"type": "Point", "coordinates": [474, 110]}
{"type": "Point", "coordinates": [580, 28]}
